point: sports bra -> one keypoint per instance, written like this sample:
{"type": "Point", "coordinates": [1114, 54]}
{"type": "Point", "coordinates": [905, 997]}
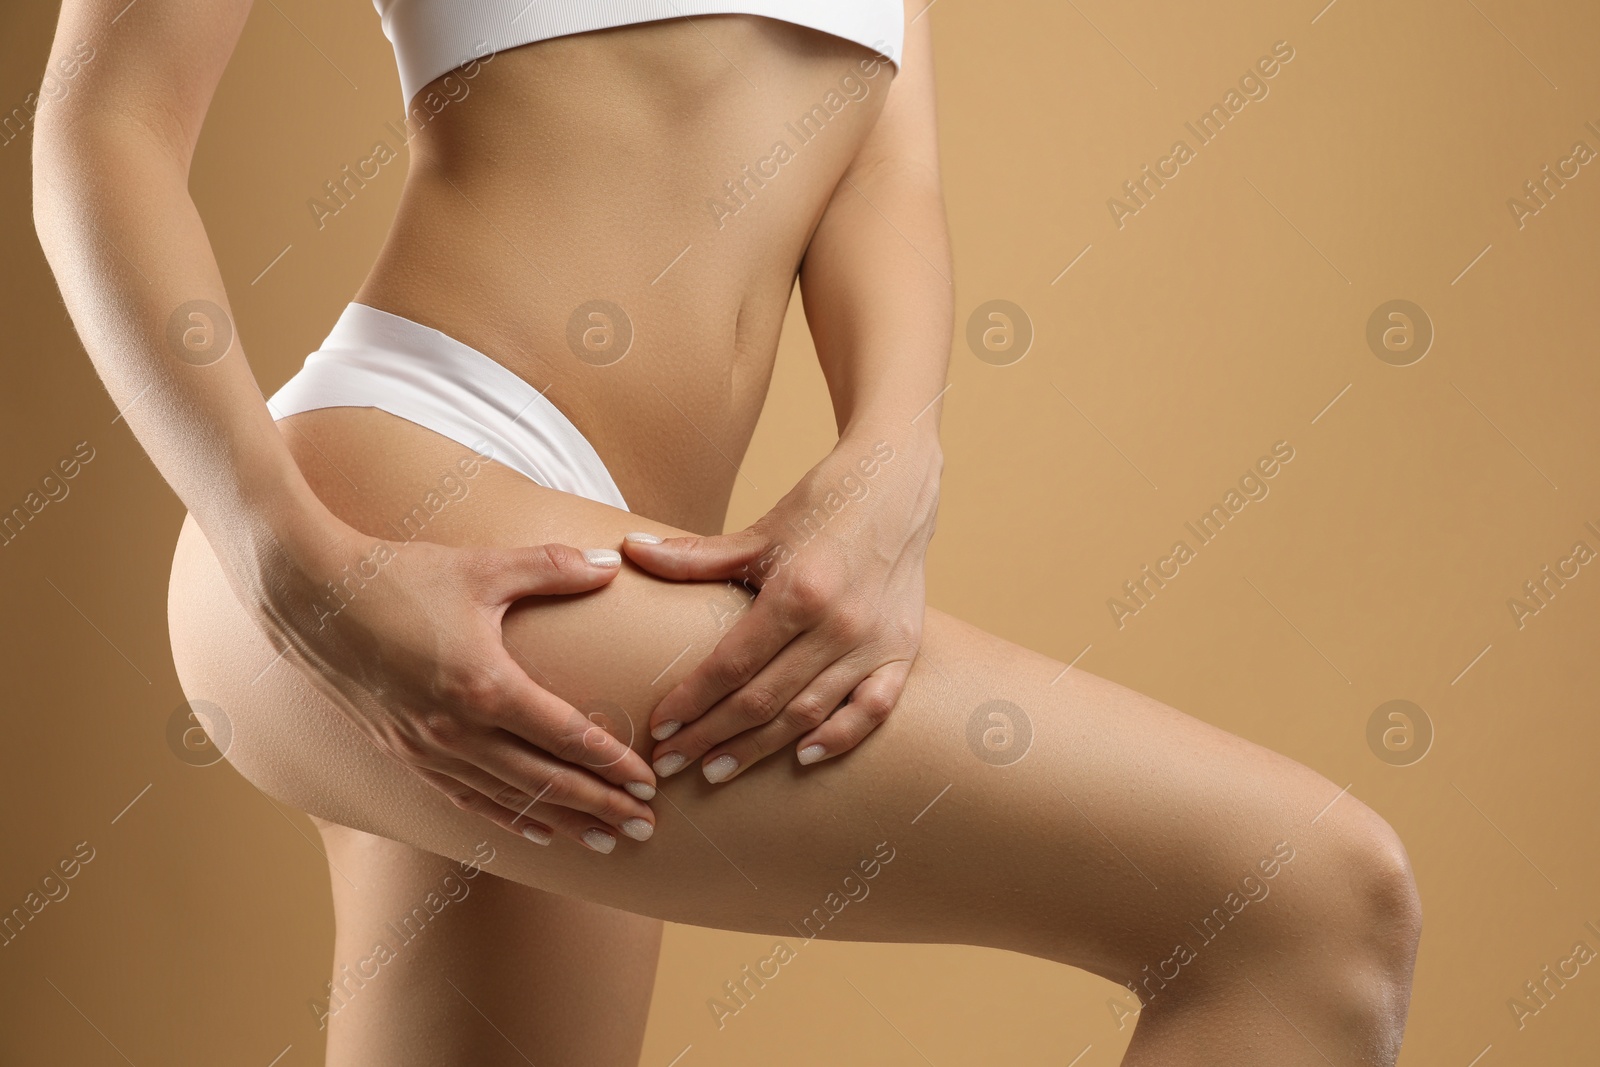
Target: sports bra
{"type": "Point", "coordinates": [431, 37]}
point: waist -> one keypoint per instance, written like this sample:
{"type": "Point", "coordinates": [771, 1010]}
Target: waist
{"type": "Point", "coordinates": [626, 240]}
{"type": "Point", "coordinates": [667, 388]}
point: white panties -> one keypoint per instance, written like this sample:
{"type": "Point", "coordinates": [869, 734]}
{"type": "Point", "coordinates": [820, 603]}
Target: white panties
{"type": "Point", "coordinates": [373, 359]}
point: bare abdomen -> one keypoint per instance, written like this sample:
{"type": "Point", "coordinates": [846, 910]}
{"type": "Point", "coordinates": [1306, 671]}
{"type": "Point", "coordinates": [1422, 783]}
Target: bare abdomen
{"type": "Point", "coordinates": [619, 216]}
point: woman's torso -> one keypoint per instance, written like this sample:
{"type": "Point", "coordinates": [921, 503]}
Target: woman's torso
{"type": "Point", "coordinates": [663, 179]}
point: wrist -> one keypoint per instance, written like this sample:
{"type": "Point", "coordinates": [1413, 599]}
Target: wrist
{"type": "Point", "coordinates": [905, 466]}
{"type": "Point", "coordinates": [278, 532]}
{"type": "Point", "coordinates": [904, 413]}
{"type": "Point", "coordinates": [896, 443]}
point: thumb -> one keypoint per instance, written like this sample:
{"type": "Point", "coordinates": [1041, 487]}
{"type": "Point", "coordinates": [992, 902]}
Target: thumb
{"type": "Point", "coordinates": [698, 558]}
{"type": "Point", "coordinates": [546, 570]}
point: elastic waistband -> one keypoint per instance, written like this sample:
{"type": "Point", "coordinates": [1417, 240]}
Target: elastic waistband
{"type": "Point", "coordinates": [432, 37]}
{"type": "Point", "coordinates": [374, 359]}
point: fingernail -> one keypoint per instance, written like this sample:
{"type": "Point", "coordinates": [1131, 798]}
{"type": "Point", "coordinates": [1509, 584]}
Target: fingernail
{"type": "Point", "coordinates": [638, 829]}
{"type": "Point", "coordinates": [721, 769]}
{"type": "Point", "coordinates": [812, 753]}
{"type": "Point", "coordinates": [642, 790]}
{"type": "Point", "coordinates": [665, 730]}
{"type": "Point", "coordinates": [602, 557]}
{"type": "Point", "coordinates": [670, 764]}
{"type": "Point", "coordinates": [536, 835]}
{"type": "Point", "coordinates": [599, 840]}
{"type": "Point", "coordinates": [642, 538]}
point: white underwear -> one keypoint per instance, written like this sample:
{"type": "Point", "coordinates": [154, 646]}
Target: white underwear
{"type": "Point", "coordinates": [432, 37]}
{"type": "Point", "coordinates": [373, 359]}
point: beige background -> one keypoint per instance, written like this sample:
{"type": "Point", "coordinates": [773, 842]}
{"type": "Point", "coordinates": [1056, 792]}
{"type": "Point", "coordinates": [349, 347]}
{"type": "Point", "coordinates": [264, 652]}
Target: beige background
{"type": "Point", "coordinates": [1224, 316]}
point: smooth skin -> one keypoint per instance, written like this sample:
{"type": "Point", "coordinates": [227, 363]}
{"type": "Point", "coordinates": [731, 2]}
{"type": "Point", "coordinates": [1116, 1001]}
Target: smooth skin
{"type": "Point", "coordinates": [497, 248]}
{"type": "Point", "coordinates": [562, 980]}
{"type": "Point", "coordinates": [1123, 823]}
{"type": "Point", "coordinates": [583, 167]}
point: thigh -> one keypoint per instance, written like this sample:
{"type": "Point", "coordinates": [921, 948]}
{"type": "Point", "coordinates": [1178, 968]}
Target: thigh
{"type": "Point", "coordinates": [437, 961]}
{"type": "Point", "coordinates": [1118, 823]}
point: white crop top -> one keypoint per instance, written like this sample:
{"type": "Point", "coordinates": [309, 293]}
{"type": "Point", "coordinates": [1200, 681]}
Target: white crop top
{"type": "Point", "coordinates": [431, 37]}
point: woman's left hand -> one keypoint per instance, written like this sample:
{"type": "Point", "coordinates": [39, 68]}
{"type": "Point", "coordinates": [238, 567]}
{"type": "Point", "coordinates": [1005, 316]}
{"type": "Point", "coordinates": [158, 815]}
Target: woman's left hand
{"type": "Point", "coordinates": [839, 567]}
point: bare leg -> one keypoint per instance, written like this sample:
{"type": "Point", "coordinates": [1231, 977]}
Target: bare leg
{"type": "Point", "coordinates": [441, 962]}
{"type": "Point", "coordinates": [1260, 916]}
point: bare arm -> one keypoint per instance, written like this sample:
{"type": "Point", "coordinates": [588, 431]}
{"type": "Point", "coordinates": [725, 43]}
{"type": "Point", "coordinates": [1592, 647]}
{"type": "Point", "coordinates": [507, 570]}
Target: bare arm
{"type": "Point", "coordinates": [840, 614]}
{"type": "Point", "coordinates": [111, 204]}
{"type": "Point", "coordinates": [876, 279]}
{"type": "Point", "coordinates": [418, 660]}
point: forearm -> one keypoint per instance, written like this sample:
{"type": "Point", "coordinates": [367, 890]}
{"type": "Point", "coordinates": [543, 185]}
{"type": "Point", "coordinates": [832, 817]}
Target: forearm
{"type": "Point", "coordinates": [876, 286]}
{"type": "Point", "coordinates": [840, 558]}
{"type": "Point", "coordinates": [129, 251]}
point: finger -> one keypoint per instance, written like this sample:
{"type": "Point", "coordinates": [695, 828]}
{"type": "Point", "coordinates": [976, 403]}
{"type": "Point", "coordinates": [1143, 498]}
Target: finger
{"type": "Point", "coordinates": [870, 704]}
{"type": "Point", "coordinates": [581, 828]}
{"type": "Point", "coordinates": [517, 775]}
{"type": "Point", "coordinates": [475, 801]}
{"type": "Point", "coordinates": [698, 558]}
{"type": "Point", "coordinates": [807, 711]}
{"type": "Point", "coordinates": [545, 570]}
{"type": "Point", "coordinates": [541, 831]}
{"type": "Point", "coordinates": [551, 725]}
{"type": "Point", "coordinates": [760, 700]}
{"type": "Point", "coordinates": [741, 654]}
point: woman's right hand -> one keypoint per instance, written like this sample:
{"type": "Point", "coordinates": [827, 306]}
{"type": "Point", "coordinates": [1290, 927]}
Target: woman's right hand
{"type": "Point", "coordinates": [415, 657]}
{"type": "Point", "coordinates": [405, 637]}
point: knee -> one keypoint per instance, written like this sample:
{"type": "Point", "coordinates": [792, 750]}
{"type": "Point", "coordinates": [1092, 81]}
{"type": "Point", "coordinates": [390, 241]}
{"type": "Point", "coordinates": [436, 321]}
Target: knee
{"type": "Point", "coordinates": [1385, 910]}
{"type": "Point", "coordinates": [1367, 894]}
{"type": "Point", "coordinates": [1394, 893]}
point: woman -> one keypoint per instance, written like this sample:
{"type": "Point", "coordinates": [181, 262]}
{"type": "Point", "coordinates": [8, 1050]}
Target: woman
{"type": "Point", "coordinates": [566, 341]}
